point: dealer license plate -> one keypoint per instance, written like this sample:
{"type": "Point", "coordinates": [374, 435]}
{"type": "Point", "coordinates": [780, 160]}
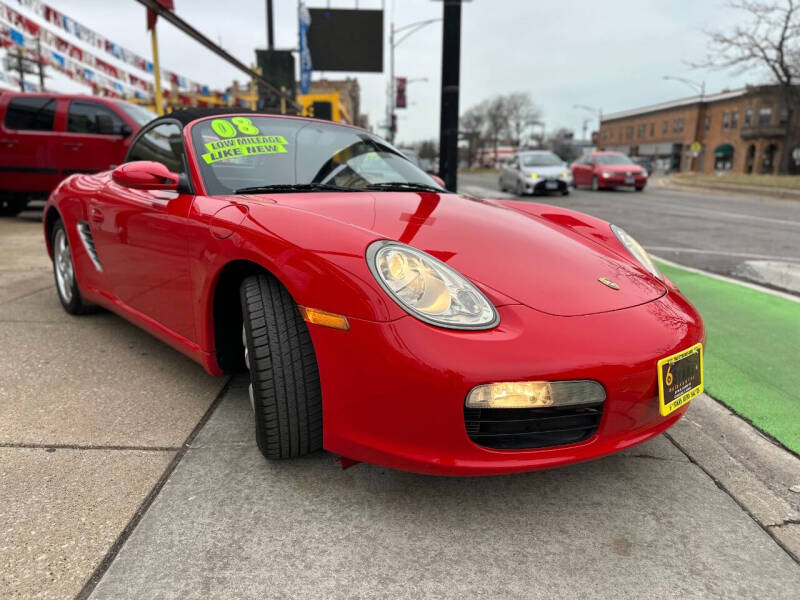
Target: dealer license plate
{"type": "Point", "coordinates": [680, 378]}
{"type": "Point", "coordinates": [629, 180]}
{"type": "Point", "coordinates": [551, 185]}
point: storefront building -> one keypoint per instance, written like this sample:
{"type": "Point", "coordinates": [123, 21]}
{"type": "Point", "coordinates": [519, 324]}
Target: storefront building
{"type": "Point", "coordinates": [739, 131]}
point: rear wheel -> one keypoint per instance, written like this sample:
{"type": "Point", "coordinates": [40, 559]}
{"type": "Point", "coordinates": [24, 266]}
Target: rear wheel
{"type": "Point", "coordinates": [595, 183]}
{"type": "Point", "coordinates": [284, 381]}
{"type": "Point", "coordinates": [64, 271]}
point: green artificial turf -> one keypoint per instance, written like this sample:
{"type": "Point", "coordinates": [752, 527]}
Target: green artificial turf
{"type": "Point", "coordinates": [752, 354]}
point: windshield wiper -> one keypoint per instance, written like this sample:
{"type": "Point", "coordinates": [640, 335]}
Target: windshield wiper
{"type": "Point", "coordinates": [404, 186]}
{"type": "Point", "coordinates": [283, 188]}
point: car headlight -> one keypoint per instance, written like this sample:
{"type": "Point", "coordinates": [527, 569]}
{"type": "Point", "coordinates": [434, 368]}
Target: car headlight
{"type": "Point", "coordinates": [428, 289]}
{"type": "Point", "coordinates": [636, 250]}
{"type": "Point", "coordinates": [607, 173]}
{"type": "Point", "coordinates": [565, 174]}
{"type": "Point", "coordinates": [534, 176]}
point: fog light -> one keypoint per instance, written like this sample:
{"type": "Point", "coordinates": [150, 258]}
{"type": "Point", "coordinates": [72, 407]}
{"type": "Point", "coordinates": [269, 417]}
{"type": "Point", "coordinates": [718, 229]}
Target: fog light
{"type": "Point", "coordinates": [535, 394]}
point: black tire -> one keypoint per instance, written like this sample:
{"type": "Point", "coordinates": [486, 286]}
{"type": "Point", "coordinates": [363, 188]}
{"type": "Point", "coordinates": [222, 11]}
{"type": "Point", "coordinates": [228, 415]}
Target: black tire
{"type": "Point", "coordinates": [639, 189]}
{"type": "Point", "coordinates": [12, 206]}
{"type": "Point", "coordinates": [285, 392]}
{"type": "Point", "coordinates": [67, 289]}
{"type": "Point", "coordinates": [565, 192]}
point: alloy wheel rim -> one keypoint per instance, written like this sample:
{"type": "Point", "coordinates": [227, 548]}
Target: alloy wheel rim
{"type": "Point", "coordinates": [62, 261]}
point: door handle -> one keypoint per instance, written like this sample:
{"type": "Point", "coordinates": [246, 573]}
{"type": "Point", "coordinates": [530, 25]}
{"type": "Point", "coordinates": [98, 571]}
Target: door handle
{"type": "Point", "coordinates": [96, 215]}
{"type": "Point", "coordinates": [9, 143]}
{"type": "Point", "coordinates": [73, 145]}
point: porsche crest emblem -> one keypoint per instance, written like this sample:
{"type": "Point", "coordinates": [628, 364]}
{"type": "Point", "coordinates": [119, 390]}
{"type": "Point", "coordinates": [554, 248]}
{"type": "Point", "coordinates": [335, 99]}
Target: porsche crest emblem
{"type": "Point", "coordinates": [607, 282]}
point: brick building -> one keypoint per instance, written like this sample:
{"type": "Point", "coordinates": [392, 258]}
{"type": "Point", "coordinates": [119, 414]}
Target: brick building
{"type": "Point", "coordinates": [740, 131]}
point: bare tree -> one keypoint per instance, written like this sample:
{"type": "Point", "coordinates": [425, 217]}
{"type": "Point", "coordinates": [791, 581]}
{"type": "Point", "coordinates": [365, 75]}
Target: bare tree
{"type": "Point", "coordinates": [473, 128]}
{"type": "Point", "coordinates": [561, 142]}
{"type": "Point", "coordinates": [496, 121]}
{"type": "Point", "coordinates": [522, 114]}
{"type": "Point", "coordinates": [770, 38]}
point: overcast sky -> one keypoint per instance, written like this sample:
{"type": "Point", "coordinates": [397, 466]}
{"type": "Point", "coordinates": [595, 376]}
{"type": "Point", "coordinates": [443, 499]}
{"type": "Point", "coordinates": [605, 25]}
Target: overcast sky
{"type": "Point", "coordinates": [610, 54]}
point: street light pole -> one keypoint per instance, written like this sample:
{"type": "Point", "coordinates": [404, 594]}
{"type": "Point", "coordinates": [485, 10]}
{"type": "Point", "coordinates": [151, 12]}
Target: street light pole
{"type": "Point", "coordinates": [598, 112]}
{"type": "Point", "coordinates": [411, 28]}
{"type": "Point", "coordinates": [451, 66]}
{"type": "Point", "coordinates": [699, 87]}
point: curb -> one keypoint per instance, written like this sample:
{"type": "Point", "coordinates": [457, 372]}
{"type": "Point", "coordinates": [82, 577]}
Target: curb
{"type": "Point", "coordinates": [677, 184]}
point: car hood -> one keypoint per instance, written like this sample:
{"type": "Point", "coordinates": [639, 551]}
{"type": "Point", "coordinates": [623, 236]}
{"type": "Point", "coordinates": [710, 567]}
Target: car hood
{"type": "Point", "coordinates": [542, 265]}
{"type": "Point", "coordinates": [545, 171]}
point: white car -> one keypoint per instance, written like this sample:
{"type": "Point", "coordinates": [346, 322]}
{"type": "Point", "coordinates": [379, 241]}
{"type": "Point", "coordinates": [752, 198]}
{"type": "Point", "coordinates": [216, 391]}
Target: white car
{"type": "Point", "coordinates": [535, 172]}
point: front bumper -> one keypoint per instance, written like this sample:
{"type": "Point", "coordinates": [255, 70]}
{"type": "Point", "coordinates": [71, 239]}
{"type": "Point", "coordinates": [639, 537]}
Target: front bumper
{"type": "Point", "coordinates": [393, 393]}
{"type": "Point", "coordinates": [623, 181]}
{"type": "Point", "coordinates": [546, 184]}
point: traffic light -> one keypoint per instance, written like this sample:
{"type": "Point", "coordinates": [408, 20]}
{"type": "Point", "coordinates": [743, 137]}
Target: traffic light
{"type": "Point", "coordinates": [400, 98]}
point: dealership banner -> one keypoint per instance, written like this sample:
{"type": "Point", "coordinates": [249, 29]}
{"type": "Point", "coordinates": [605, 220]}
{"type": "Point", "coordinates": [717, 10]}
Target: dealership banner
{"type": "Point", "coordinates": [92, 38]}
{"type": "Point", "coordinates": [304, 19]}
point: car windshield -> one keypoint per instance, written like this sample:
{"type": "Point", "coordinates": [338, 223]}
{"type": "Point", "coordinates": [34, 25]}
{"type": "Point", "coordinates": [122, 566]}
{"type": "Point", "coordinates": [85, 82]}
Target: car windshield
{"type": "Point", "coordinates": [138, 113]}
{"type": "Point", "coordinates": [613, 159]}
{"type": "Point", "coordinates": [247, 153]}
{"type": "Point", "coordinates": [540, 160]}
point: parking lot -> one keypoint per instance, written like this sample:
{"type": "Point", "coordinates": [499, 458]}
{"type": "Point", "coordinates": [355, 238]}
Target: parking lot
{"type": "Point", "coordinates": [129, 473]}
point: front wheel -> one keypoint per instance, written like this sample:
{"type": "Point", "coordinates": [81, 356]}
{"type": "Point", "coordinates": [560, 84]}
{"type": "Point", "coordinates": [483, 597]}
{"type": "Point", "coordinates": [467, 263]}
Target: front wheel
{"type": "Point", "coordinates": [595, 183]}
{"type": "Point", "coordinates": [639, 188]}
{"type": "Point", "coordinates": [64, 272]}
{"type": "Point", "coordinates": [284, 381]}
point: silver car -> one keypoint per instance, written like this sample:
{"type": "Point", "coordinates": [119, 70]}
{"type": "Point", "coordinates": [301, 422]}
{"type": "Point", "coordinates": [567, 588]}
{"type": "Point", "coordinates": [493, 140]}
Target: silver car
{"type": "Point", "coordinates": [535, 172]}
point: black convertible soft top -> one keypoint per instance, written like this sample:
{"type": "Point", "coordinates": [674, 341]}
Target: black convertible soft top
{"type": "Point", "coordinates": [186, 115]}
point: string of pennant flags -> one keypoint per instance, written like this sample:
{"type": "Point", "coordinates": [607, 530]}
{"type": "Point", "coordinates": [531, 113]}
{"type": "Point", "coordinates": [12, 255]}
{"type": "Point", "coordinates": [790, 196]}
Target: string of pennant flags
{"type": "Point", "coordinates": [79, 63]}
{"type": "Point", "coordinates": [64, 63]}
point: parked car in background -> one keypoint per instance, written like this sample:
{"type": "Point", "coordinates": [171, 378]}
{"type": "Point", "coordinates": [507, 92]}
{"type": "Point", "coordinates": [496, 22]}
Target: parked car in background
{"type": "Point", "coordinates": [46, 137]}
{"type": "Point", "coordinates": [645, 162]}
{"type": "Point", "coordinates": [535, 172]}
{"type": "Point", "coordinates": [607, 170]}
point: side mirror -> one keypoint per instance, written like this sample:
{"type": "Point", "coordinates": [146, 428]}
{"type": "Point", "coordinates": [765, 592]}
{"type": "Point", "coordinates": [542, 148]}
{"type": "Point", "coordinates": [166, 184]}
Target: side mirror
{"type": "Point", "coordinates": [438, 180]}
{"type": "Point", "coordinates": [125, 130]}
{"type": "Point", "coordinates": [145, 175]}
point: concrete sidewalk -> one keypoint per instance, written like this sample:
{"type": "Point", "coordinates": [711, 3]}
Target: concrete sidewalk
{"type": "Point", "coordinates": [648, 523]}
{"type": "Point", "coordinates": [92, 412]}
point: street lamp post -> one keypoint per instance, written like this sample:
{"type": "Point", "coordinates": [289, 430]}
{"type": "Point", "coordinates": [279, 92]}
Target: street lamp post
{"type": "Point", "coordinates": [409, 29]}
{"type": "Point", "coordinates": [597, 112]}
{"type": "Point", "coordinates": [699, 87]}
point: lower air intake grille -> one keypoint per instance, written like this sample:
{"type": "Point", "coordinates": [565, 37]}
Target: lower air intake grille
{"type": "Point", "coordinates": [518, 428]}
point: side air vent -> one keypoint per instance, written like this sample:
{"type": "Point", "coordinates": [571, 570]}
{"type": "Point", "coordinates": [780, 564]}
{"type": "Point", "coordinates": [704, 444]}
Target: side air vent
{"type": "Point", "coordinates": [88, 243]}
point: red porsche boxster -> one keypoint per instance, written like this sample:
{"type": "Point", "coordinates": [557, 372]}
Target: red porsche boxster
{"type": "Point", "coordinates": [380, 316]}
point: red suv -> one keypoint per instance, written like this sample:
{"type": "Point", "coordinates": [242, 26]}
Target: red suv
{"type": "Point", "coordinates": [45, 137]}
{"type": "Point", "coordinates": [605, 170]}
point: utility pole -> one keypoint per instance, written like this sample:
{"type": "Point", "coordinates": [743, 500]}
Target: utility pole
{"type": "Point", "coordinates": [40, 63]}
{"type": "Point", "coordinates": [451, 64]}
{"type": "Point", "coordinates": [270, 27]}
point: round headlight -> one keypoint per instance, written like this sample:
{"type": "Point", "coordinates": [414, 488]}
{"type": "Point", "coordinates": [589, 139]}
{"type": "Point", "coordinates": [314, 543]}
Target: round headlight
{"type": "Point", "coordinates": [636, 250]}
{"type": "Point", "coordinates": [428, 289]}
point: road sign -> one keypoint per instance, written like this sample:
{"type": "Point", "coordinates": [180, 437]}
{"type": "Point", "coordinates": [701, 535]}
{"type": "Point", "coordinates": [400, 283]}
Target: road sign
{"type": "Point", "coordinates": [696, 147]}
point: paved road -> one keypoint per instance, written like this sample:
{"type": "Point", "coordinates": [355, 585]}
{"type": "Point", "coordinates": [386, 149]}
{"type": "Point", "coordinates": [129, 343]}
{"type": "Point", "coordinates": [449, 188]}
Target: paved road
{"type": "Point", "coordinates": [725, 234]}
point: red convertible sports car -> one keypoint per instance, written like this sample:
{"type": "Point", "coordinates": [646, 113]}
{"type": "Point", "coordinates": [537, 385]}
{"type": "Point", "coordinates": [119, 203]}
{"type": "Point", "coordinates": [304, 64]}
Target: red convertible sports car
{"type": "Point", "coordinates": [380, 316]}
